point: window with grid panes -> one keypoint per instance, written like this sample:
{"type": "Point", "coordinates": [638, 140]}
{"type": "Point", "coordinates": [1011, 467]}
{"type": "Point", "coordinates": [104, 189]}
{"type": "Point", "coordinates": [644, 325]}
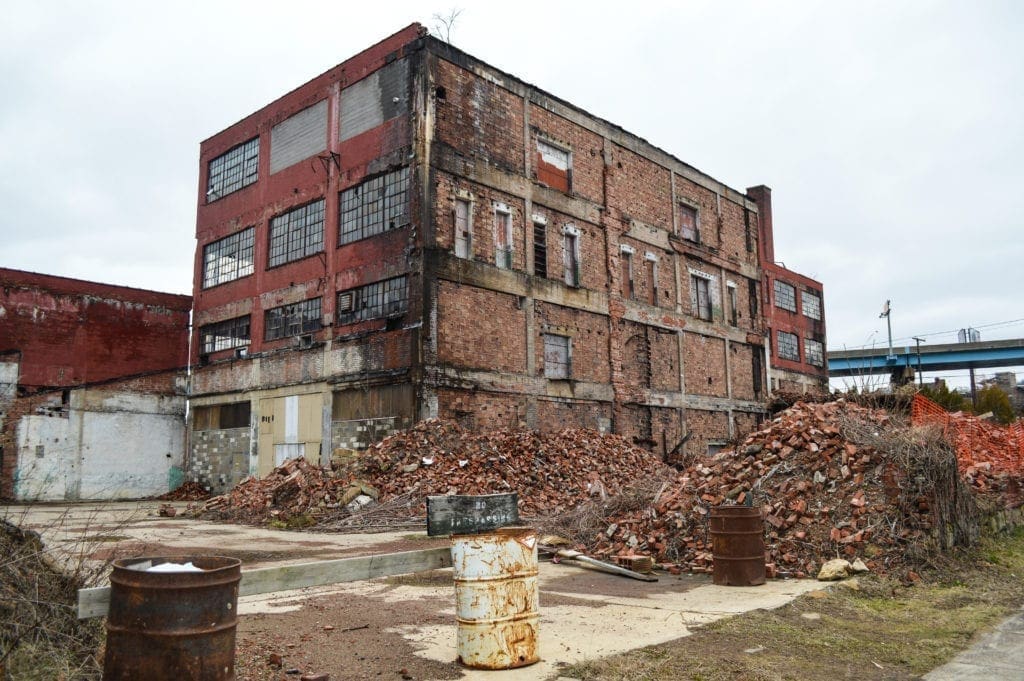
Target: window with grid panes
{"type": "Point", "coordinates": [297, 233]}
{"type": "Point", "coordinates": [230, 333]}
{"type": "Point", "coordinates": [785, 296]}
{"type": "Point", "coordinates": [788, 346]}
{"type": "Point", "coordinates": [814, 352]}
{"type": "Point", "coordinates": [375, 206]}
{"type": "Point", "coordinates": [292, 320]}
{"type": "Point", "coordinates": [233, 170]}
{"type": "Point", "coordinates": [380, 299]}
{"type": "Point", "coordinates": [229, 258]}
{"type": "Point", "coordinates": [811, 304]}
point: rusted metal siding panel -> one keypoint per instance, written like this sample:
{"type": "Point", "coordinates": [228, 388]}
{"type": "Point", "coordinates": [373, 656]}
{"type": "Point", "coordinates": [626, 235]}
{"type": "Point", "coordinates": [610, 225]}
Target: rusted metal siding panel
{"type": "Point", "coordinates": [379, 97]}
{"type": "Point", "coordinates": [298, 137]}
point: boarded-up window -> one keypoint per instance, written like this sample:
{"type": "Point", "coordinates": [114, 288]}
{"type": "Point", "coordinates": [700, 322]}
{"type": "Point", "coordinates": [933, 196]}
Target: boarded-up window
{"type": "Point", "coordinates": [221, 416]}
{"type": "Point", "coordinates": [628, 287]}
{"type": "Point", "coordinates": [554, 167]}
{"type": "Point", "coordinates": [463, 229]}
{"type": "Point", "coordinates": [689, 227]}
{"type": "Point", "coordinates": [379, 97]}
{"type": "Point", "coordinates": [556, 356]}
{"type": "Point", "coordinates": [298, 137]}
{"type": "Point", "coordinates": [734, 312]}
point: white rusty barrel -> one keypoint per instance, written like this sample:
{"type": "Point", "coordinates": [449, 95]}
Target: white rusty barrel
{"type": "Point", "coordinates": [496, 597]}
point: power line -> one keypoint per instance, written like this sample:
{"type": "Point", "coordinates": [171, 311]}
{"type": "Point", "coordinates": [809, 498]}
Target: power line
{"type": "Point", "coordinates": [992, 325]}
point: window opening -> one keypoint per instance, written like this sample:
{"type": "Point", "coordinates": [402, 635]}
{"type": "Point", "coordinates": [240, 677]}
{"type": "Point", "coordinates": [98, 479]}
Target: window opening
{"type": "Point", "coordinates": [232, 170]}
{"type": "Point", "coordinates": [788, 346]}
{"type": "Point", "coordinates": [375, 206]}
{"type": "Point", "coordinates": [628, 287]}
{"type": "Point", "coordinates": [503, 236]}
{"type": "Point", "coordinates": [571, 256]}
{"type": "Point", "coordinates": [463, 229]}
{"type": "Point", "coordinates": [229, 258]}
{"type": "Point", "coordinates": [701, 296]}
{"type": "Point", "coordinates": [785, 296]}
{"type": "Point", "coordinates": [814, 351]}
{"type": "Point", "coordinates": [224, 335]}
{"type": "Point", "coordinates": [387, 298]}
{"type": "Point", "coordinates": [734, 310]}
{"type": "Point", "coordinates": [540, 248]}
{"type": "Point", "coordinates": [297, 233]}
{"type": "Point", "coordinates": [292, 320]}
{"type": "Point", "coordinates": [811, 304]}
{"type": "Point", "coordinates": [652, 275]}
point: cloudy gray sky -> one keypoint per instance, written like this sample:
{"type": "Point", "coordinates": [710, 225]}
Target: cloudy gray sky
{"type": "Point", "coordinates": [891, 133]}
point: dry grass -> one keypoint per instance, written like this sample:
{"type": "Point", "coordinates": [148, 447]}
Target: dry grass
{"type": "Point", "coordinates": [884, 630]}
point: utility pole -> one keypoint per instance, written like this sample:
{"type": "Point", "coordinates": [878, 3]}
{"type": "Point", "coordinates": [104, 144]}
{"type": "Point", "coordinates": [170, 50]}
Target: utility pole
{"type": "Point", "coordinates": [920, 378]}
{"type": "Point", "coordinates": [886, 310]}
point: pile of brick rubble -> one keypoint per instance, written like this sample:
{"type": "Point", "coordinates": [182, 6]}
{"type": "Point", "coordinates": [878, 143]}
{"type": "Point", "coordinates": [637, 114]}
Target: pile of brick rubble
{"type": "Point", "coordinates": [822, 495]}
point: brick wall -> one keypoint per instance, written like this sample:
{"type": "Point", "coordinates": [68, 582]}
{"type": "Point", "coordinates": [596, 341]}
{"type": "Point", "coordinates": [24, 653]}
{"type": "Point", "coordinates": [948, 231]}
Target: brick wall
{"type": "Point", "coordinates": [586, 148]}
{"type": "Point", "coordinates": [480, 329]}
{"type": "Point", "coordinates": [480, 410]}
{"type": "Point", "coordinates": [556, 415]}
{"type": "Point", "coordinates": [589, 333]}
{"type": "Point", "coordinates": [704, 365]}
{"type": "Point", "coordinates": [640, 189]}
{"type": "Point", "coordinates": [706, 427]}
{"type": "Point", "coordinates": [220, 458]}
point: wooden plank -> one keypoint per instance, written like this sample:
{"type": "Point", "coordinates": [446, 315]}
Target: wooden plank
{"type": "Point", "coordinates": [468, 514]}
{"type": "Point", "coordinates": [95, 602]}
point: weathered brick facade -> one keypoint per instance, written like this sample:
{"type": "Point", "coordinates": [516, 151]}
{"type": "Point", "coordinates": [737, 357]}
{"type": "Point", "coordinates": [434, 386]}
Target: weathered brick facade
{"type": "Point", "coordinates": [548, 275]}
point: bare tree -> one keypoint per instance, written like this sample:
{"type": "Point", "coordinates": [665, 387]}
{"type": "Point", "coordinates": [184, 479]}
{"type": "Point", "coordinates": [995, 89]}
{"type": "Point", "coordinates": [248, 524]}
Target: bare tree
{"type": "Point", "coordinates": [445, 23]}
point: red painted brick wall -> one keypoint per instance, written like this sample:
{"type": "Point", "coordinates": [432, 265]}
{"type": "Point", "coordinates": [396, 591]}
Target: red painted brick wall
{"type": "Point", "coordinates": [71, 332]}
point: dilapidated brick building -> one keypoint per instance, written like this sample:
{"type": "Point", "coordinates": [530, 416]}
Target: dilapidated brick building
{"type": "Point", "coordinates": [415, 234]}
{"type": "Point", "coordinates": [92, 388]}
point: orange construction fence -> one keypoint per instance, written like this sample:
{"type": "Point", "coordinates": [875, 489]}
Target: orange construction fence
{"type": "Point", "coordinates": [977, 441]}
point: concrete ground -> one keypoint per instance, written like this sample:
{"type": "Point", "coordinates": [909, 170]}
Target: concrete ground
{"type": "Point", "coordinates": [583, 614]}
{"type": "Point", "coordinates": [998, 656]}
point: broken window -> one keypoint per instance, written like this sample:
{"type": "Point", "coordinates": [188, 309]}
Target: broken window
{"type": "Point", "coordinates": [554, 166]}
{"type": "Point", "coordinates": [571, 255]}
{"type": "Point", "coordinates": [689, 227]}
{"type": "Point", "coordinates": [292, 320]}
{"type": "Point", "coordinates": [221, 416]}
{"type": "Point", "coordinates": [557, 356]}
{"type": "Point", "coordinates": [628, 285]}
{"type": "Point", "coordinates": [788, 346]}
{"type": "Point", "coordinates": [785, 296]}
{"type": "Point", "coordinates": [233, 170]}
{"type": "Point", "coordinates": [375, 206]}
{"type": "Point", "coordinates": [463, 229]}
{"type": "Point", "coordinates": [229, 258]}
{"type": "Point", "coordinates": [540, 246]}
{"type": "Point", "coordinates": [734, 310]}
{"type": "Point", "coordinates": [700, 296]}
{"type": "Point", "coordinates": [224, 335]}
{"type": "Point", "coordinates": [297, 233]}
{"type": "Point", "coordinates": [814, 352]}
{"type": "Point", "coordinates": [502, 236]}
{"type": "Point", "coordinates": [388, 298]}
{"type": "Point", "coordinates": [811, 304]}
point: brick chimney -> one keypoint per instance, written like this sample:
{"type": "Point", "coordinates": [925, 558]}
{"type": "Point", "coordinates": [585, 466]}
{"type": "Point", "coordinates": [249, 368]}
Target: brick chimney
{"type": "Point", "coordinates": [762, 196]}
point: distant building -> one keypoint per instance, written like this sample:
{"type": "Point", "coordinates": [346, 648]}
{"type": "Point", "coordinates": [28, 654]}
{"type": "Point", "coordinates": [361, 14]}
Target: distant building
{"type": "Point", "coordinates": [417, 234]}
{"type": "Point", "coordinates": [92, 388]}
{"type": "Point", "coordinates": [795, 314]}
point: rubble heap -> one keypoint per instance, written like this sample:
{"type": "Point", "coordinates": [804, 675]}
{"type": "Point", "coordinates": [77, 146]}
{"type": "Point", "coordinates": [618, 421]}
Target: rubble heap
{"type": "Point", "coordinates": [190, 491]}
{"type": "Point", "coordinates": [824, 493]}
{"type": "Point", "coordinates": [552, 472]}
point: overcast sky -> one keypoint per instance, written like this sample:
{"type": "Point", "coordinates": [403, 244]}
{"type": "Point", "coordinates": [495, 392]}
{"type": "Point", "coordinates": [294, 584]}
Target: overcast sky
{"type": "Point", "coordinates": [891, 133]}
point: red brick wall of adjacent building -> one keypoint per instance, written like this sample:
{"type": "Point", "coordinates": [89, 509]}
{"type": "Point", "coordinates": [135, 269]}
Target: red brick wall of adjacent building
{"type": "Point", "coordinates": [70, 332]}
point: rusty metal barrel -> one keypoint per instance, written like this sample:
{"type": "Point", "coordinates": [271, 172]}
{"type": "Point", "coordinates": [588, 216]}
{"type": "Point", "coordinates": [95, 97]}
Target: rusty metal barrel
{"type": "Point", "coordinates": [496, 597]}
{"type": "Point", "coordinates": [737, 545]}
{"type": "Point", "coordinates": [172, 625]}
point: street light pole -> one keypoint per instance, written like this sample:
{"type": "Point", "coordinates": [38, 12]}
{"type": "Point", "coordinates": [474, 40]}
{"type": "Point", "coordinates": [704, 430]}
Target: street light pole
{"type": "Point", "coordinates": [920, 378]}
{"type": "Point", "coordinates": [888, 321]}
